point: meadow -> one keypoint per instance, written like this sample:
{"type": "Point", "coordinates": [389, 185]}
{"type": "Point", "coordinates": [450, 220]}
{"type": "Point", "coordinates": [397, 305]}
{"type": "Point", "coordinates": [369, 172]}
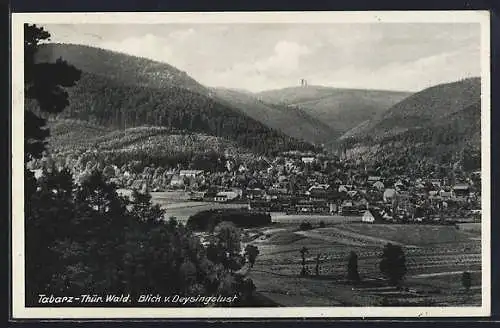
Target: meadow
{"type": "Point", "coordinates": [436, 256]}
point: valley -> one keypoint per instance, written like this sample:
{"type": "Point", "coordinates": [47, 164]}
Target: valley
{"type": "Point", "coordinates": [332, 170]}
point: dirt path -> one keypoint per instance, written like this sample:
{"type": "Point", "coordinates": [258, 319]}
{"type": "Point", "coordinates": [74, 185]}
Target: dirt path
{"type": "Point", "coordinates": [331, 239]}
{"type": "Point", "coordinates": [437, 274]}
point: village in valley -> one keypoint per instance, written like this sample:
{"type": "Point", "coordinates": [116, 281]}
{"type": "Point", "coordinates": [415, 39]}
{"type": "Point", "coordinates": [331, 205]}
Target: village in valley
{"type": "Point", "coordinates": [322, 208]}
{"type": "Point", "coordinates": [315, 184]}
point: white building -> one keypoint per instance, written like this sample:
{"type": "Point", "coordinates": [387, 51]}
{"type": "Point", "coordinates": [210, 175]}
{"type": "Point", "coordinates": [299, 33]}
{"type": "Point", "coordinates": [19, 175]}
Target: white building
{"type": "Point", "coordinates": [224, 196]}
{"type": "Point", "coordinates": [307, 160]}
{"type": "Point", "coordinates": [190, 173]}
{"type": "Point", "coordinates": [368, 217]}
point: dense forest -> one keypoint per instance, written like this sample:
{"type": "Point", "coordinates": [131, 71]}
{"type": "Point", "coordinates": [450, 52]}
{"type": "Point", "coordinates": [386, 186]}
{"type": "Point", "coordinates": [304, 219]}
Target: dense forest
{"type": "Point", "coordinates": [128, 69]}
{"type": "Point", "coordinates": [87, 238]}
{"type": "Point", "coordinates": [72, 140]}
{"type": "Point", "coordinates": [105, 99]}
{"type": "Point", "coordinates": [340, 109]}
{"type": "Point", "coordinates": [425, 108]}
{"type": "Point", "coordinates": [439, 125]}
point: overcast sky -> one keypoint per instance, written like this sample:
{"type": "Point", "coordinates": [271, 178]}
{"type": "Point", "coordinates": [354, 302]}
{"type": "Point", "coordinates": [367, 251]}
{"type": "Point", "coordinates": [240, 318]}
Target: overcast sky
{"type": "Point", "coordinates": [257, 57]}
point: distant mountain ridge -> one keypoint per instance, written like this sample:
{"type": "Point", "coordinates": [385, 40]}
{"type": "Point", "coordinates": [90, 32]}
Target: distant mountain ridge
{"type": "Point", "coordinates": [292, 121]}
{"type": "Point", "coordinates": [341, 109]}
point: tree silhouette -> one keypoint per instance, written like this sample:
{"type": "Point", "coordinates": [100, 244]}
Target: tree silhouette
{"type": "Point", "coordinates": [352, 268]}
{"type": "Point", "coordinates": [466, 280]}
{"type": "Point", "coordinates": [318, 257]}
{"type": "Point", "coordinates": [251, 252]}
{"type": "Point", "coordinates": [44, 83]}
{"type": "Point", "coordinates": [303, 252]}
{"type": "Point", "coordinates": [393, 263]}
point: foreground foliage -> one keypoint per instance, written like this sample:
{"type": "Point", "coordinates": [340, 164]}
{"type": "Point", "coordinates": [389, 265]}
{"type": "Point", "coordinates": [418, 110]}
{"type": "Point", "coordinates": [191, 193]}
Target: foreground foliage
{"type": "Point", "coordinates": [86, 238]}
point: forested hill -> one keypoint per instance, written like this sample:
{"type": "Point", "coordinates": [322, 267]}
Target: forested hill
{"type": "Point", "coordinates": [457, 139]}
{"type": "Point", "coordinates": [127, 69]}
{"type": "Point", "coordinates": [423, 108]}
{"type": "Point", "coordinates": [441, 124]}
{"type": "Point", "coordinates": [123, 93]}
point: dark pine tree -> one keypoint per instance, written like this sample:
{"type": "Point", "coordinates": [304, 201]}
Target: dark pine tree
{"type": "Point", "coordinates": [45, 83]}
{"type": "Point", "coordinates": [251, 252]}
{"type": "Point", "coordinates": [352, 268]}
{"type": "Point", "coordinates": [466, 280]}
{"type": "Point", "coordinates": [303, 252]}
{"type": "Point", "coordinates": [393, 264]}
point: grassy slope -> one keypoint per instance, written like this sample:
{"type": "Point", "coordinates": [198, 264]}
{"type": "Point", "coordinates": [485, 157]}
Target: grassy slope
{"type": "Point", "coordinates": [431, 268]}
{"type": "Point", "coordinates": [341, 109]}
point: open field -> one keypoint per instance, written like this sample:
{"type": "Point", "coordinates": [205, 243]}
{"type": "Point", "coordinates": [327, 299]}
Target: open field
{"type": "Point", "coordinates": [433, 276]}
{"type": "Point", "coordinates": [411, 234]}
{"type": "Point", "coordinates": [177, 204]}
{"type": "Point", "coordinates": [436, 256]}
{"type": "Point", "coordinates": [313, 219]}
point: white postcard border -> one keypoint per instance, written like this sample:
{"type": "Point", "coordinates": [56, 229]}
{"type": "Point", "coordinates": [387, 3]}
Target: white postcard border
{"type": "Point", "coordinates": [19, 311]}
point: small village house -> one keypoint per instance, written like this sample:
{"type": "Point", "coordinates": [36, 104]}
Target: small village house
{"type": "Point", "coordinates": [225, 196]}
{"type": "Point", "coordinates": [177, 181]}
{"type": "Point", "coordinates": [368, 217]}
{"type": "Point", "coordinates": [461, 190]}
{"type": "Point", "coordinates": [308, 160]}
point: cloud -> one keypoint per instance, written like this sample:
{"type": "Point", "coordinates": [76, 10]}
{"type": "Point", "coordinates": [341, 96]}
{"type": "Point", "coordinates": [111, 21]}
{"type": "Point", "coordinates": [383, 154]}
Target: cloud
{"type": "Point", "coordinates": [258, 57]}
{"type": "Point", "coordinates": [149, 46]}
{"type": "Point", "coordinates": [284, 60]}
{"type": "Point", "coordinates": [152, 46]}
{"type": "Point", "coordinates": [435, 69]}
{"type": "Point", "coordinates": [281, 66]}
{"type": "Point", "coordinates": [415, 75]}
{"type": "Point", "coordinates": [181, 35]}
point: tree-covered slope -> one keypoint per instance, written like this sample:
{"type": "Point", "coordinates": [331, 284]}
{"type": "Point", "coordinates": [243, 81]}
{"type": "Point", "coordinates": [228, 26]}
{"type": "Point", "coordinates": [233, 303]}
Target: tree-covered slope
{"type": "Point", "coordinates": [119, 91]}
{"type": "Point", "coordinates": [423, 109]}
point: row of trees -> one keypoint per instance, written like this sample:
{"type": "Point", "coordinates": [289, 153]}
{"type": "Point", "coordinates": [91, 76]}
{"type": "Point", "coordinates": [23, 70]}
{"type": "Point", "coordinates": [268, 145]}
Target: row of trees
{"type": "Point", "coordinates": [392, 264]}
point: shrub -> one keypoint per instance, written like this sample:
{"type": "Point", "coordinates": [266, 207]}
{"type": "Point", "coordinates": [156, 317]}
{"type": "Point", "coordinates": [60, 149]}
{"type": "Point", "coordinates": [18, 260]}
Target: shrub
{"type": "Point", "coordinates": [305, 226]}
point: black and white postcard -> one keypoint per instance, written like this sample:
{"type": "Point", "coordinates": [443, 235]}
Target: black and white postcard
{"type": "Point", "coordinates": [251, 165]}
